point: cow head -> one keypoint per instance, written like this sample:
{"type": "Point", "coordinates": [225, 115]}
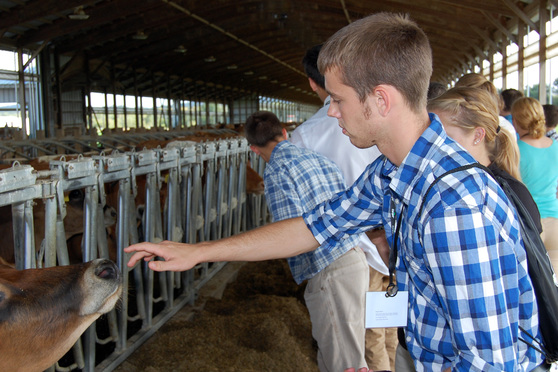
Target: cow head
{"type": "Point", "coordinates": [44, 311]}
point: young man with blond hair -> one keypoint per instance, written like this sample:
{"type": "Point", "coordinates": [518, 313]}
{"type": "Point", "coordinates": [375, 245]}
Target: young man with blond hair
{"type": "Point", "coordinates": [322, 134]}
{"type": "Point", "coordinates": [461, 261]}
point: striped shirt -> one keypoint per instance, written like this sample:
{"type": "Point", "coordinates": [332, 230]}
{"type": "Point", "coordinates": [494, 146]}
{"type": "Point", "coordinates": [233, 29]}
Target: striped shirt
{"type": "Point", "coordinates": [296, 180]}
{"type": "Point", "coordinates": [463, 261]}
{"type": "Point", "coordinates": [552, 134]}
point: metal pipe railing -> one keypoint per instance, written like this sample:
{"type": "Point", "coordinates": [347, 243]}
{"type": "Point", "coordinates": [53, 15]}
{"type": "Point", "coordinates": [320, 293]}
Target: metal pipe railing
{"type": "Point", "coordinates": [204, 197]}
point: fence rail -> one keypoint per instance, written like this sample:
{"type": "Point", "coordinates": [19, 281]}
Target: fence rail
{"type": "Point", "coordinates": [190, 192]}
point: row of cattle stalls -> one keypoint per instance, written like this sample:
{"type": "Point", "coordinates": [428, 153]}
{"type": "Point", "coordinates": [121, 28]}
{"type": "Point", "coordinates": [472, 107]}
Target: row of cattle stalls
{"type": "Point", "coordinates": [185, 191]}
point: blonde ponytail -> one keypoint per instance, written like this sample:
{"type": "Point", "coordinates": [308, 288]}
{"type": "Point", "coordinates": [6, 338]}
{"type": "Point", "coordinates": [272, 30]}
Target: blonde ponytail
{"type": "Point", "coordinates": [506, 153]}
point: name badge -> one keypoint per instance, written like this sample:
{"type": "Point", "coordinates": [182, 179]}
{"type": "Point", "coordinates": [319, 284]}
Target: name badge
{"type": "Point", "coordinates": [386, 312]}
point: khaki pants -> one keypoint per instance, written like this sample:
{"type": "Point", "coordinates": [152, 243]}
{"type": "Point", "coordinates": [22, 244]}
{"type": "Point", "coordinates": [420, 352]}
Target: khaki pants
{"type": "Point", "coordinates": [381, 343]}
{"type": "Point", "coordinates": [550, 238]}
{"type": "Point", "coordinates": [335, 301]}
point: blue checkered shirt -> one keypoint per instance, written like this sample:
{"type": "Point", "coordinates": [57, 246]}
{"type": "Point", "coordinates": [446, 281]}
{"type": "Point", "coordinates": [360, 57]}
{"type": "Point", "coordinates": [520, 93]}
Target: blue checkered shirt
{"type": "Point", "coordinates": [462, 261]}
{"type": "Point", "coordinates": [296, 180]}
{"type": "Point", "coordinates": [552, 134]}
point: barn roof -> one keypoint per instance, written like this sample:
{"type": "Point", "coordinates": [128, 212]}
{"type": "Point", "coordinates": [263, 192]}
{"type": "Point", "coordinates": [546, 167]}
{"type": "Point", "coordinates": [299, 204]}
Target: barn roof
{"type": "Point", "coordinates": [213, 48]}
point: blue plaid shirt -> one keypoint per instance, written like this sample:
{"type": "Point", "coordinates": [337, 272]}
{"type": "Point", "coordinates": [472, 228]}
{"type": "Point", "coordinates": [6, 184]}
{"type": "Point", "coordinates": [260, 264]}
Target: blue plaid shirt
{"type": "Point", "coordinates": [463, 261]}
{"type": "Point", "coordinates": [296, 180]}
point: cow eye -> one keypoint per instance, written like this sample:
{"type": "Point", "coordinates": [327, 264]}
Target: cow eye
{"type": "Point", "coordinates": [2, 296]}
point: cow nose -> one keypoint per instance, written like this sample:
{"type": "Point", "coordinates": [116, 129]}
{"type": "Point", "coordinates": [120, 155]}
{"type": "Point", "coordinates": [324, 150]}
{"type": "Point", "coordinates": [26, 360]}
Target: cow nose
{"type": "Point", "coordinates": [107, 270]}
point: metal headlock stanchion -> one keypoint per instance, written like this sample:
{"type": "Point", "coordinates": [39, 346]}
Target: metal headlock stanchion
{"type": "Point", "coordinates": [257, 204]}
{"type": "Point", "coordinates": [205, 189]}
{"type": "Point", "coordinates": [76, 174]}
{"type": "Point", "coordinates": [241, 211]}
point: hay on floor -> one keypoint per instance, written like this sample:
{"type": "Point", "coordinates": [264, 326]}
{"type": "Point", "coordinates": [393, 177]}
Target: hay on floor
{"type": "Point", "coordinates": [259, 324]}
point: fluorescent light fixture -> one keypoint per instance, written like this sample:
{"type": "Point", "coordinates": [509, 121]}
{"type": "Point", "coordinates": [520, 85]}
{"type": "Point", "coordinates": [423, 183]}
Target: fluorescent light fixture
{"type": "Point", "coordinates": [180, 49]}
{"type": "Point", "coordinates": [78, 14]}
{"type": "Point", "coordinates": [140, 35]}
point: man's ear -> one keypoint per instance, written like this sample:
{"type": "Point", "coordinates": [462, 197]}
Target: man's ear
{"type": "Point", "coordinates": [255, 149]}
{"type": "Point", "coordinates": [381, 96]}
{"type": "Point", "coordinates": [284, 132]}
{"type": "Point", "coordinates": [313, 84]}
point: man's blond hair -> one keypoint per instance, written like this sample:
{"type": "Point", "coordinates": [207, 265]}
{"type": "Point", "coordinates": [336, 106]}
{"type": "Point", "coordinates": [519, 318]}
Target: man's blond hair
{"type": "Point", "coordinates": [383, 48]}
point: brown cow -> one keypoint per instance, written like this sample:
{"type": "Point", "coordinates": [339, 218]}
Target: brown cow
{"type": "Point", "coordinates": [44, 311]}
{"type": "Point", "coordinates": [254, 182]}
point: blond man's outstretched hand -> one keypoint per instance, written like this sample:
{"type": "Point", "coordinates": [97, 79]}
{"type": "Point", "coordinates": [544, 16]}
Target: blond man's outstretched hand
{"type": "Point", "coordinates": [282, 239]}
{"type": "Point", "coordinates": [176, 256]}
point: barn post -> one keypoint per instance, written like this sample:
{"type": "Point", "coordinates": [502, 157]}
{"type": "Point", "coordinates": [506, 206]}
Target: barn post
{"type": "Point", "coordinates": [89, 108]}
{"type": "Point", "coordinates": [113, 88]}
{"type": "Point", "coordinates": [58, 89]}
{"type": "Point", "coordinates": [169, 105]}
{"type": "Point", "coordinates": [521, 56]}
{"type": "Point", "coordinates": [106, 111]}
{"type": "Point", "coordinates": [543, 19]}
{"type": "Point", "coordinates": [22, 100]}
{"type": "Point", "coordinates": [136, 99]}
{"type": "Point", "coordinates": [153, 93]}
{"type": "Point", "coordinates": [504, 65]}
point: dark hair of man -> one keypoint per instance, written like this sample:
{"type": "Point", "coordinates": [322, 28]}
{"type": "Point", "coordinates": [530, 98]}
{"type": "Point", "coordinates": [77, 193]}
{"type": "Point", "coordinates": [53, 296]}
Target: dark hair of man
{"type": "Point", "coordinates": [310, 63]}
{"type": "Point", "coordinates": [383, 48]}
{"type": "Point", "coordinates": [551, 116]}
{"type": "Point", "coordinates": [510, 96]}
{"type": "Point", "coordinates": [436, 89]}
{"type": "Point", "coordinates": [262, 127]}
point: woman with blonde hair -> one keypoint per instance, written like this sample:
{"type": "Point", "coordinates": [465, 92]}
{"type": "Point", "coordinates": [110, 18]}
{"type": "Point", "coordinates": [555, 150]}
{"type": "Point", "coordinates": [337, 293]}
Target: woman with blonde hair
{"type": "Point", "coordinates": [538, 159]}
{"type": "Point", "coordinates": [470, 117]}
{"type": "Point", "coordinates": [474, 80]}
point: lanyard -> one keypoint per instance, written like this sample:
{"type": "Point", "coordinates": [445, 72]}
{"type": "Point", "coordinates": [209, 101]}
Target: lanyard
{"type": "Point", "coordinates": [392, 287]}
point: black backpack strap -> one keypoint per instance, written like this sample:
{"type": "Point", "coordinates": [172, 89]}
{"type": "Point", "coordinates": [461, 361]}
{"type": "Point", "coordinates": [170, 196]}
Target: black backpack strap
{"type": "Point", "coordinates": [392, 287]}
{"type": "Point", "coordinates": [454, 170]}
{"type": "Point", "coordinates": [540, 268]}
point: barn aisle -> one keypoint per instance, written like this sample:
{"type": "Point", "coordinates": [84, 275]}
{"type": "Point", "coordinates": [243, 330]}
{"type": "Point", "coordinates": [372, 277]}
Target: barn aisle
{"type": "Point", "coordinates": [249, 317]}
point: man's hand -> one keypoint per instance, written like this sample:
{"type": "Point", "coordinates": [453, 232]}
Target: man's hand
{"type": "Point", "coordinates": [177, 256]}
{"type": "Point", "coordinates": [363, 369]}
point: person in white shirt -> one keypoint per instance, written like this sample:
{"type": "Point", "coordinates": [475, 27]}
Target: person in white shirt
{"type": "Point", "coordinates": [322, 134]}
